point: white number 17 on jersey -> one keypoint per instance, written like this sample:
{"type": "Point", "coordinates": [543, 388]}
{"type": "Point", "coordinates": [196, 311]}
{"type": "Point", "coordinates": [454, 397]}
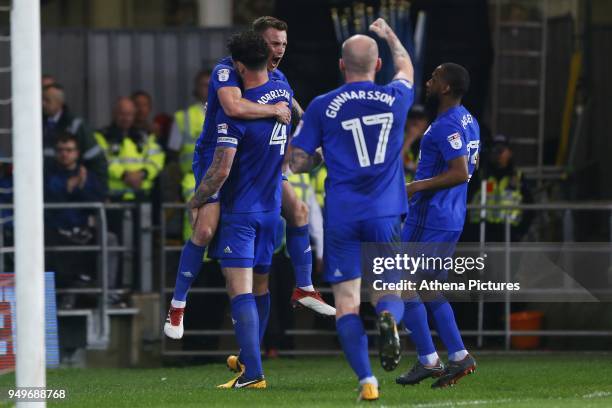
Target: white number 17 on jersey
{"type": "Point", "coordinates": [354, 125]}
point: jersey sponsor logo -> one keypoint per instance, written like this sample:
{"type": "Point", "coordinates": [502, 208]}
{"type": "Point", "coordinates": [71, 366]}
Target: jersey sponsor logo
{"type": "Point", "coordinates": [223, 74]}
{"type": "Point", "coordinates": [225, 139]}
{"type": "Point", "coordinates": [455, 141]}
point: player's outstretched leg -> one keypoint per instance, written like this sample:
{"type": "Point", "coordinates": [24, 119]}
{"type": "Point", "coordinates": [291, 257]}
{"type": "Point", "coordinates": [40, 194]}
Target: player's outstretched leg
{"type": "Point", "coordinates": [295, 211]}
{"type": "Point", "coordinates": [189, 267]}
{"type": "Point", "coordinates": [460, 362]}
{"type": "Point", "coordinates": [246, 327]}
{"type": "Point", "coordinates": [353, 337]}
{"type": "Point", "coordinates": [428, 363]}
{"type": "Point", "coordinates": [390, 310]}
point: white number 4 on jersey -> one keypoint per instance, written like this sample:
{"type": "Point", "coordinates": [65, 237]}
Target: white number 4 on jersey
{"type": "Point", "coordinates": [279, 136]}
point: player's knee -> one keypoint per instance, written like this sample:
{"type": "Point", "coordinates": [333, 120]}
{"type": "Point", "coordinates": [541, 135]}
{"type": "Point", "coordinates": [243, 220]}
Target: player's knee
{"type": "Point", "coordinates": [347, 305]}
{"type": "Point", "coordinates": [202, 235]}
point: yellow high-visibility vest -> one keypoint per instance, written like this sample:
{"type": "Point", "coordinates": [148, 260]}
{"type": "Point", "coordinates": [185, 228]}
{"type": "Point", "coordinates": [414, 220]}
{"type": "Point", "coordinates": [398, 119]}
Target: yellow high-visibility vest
{"type": "Point", "coordinates": [128, 156]}
{"type": "Point", "coordinates": [317, 180]}
{"type": "Point", "coordinates": [190, 126]}
{"type": "Point", "coordinates": [504, 191]}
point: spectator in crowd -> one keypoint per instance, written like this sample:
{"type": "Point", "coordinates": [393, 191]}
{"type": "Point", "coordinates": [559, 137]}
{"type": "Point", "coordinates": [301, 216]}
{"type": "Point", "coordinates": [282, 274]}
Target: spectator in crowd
{"type": "Point", "coordinates": [416, 125]}
{"type": "Point", "coordinates": [67, 180]}
{"type": "Point", "coordinates": [188, 123]}
{"type": "Point", "coordinates": [58, 119]}
{"type": "Point", "coordinates": [47, 80]}
{"type": "Point", "coordinates": [162, 123]}
{"type": "Point", "coordinates": [135, 159]}
{"type": "Point", "coordinates": [317, 181]}
{"type": "Point", "coordinates": [144, 106]}
{"type": "Point", "coordinates": [504, 186]}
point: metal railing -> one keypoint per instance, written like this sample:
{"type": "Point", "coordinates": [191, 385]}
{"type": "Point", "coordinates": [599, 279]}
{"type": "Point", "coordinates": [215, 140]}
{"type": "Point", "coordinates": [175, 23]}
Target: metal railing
{"type": "Point", "coordinates": [479, 333]}
{"type": "Point", "coordinates": [103, 248]}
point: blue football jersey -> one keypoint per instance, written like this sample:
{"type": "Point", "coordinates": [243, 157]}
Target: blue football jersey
{"type": "Point", "coordinates": [254, 183]}
{"type": "Point", "coordinates": [361, 129]}
{"type": "Point", "coordinates": [222, 75]}
{"type": "Point", "coordinates": [453, 134]}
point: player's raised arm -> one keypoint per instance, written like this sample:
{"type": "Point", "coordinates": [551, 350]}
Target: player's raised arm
{"type": "Point", "coordinates": [235, 106]}
{"type": "Point", "coordinates": [215, 176]}
{"type": "Point", "coordinates": [401, 60]}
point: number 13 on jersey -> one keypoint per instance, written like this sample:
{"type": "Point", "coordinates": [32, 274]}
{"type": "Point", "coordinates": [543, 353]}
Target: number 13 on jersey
{"type": "Point", "coordinates": [354, 125]}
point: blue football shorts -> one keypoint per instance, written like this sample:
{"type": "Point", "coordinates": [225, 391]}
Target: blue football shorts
{"type": "Point", "coordinates": [246, 240]}
{"type": "Point", "coordinates": [342, 245]}
{"type": "Point", "coordinates": [430, 243]}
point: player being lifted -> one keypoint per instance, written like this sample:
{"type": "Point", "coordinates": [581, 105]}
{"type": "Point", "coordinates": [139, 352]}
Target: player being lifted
{"type": "Point", "coordinates": [225, 94]}
{"type": "Point", "coordinates": [449, 155]}
{"type": "Point", "coordinates": [360, 127]}
{"type": "Point", "coordinates": [246, 169]}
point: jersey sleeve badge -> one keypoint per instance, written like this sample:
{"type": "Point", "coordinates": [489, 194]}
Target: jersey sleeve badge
{"type": "Point", "coordinates": [223, 74]}
{"type": "Point", "coordinates": [455, 141]}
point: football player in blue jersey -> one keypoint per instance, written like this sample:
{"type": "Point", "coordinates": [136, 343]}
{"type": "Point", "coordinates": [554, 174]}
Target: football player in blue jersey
{"type": "Point", "coordinates": [437, 206]}
{"type": "Point", "coordinates": [360, 127]}
{"type": "Point", "coordinates": [246, 171]}
{"type": "Point", "coordinates": [225, 93]}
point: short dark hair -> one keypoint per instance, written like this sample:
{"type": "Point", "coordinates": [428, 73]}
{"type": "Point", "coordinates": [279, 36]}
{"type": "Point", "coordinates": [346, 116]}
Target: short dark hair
{"type": "Point", "coordinates": [54, 85]}
{"type": "Point", "coordinates": [249, 48]}
{"type": "Point", "coordinates": [66, 137]}
{"type": "Point", "coordinates": [140, 92]}
{"type": "Point", "coordinates": [261, 24]}
{"type": "Point", "coordinates": [457, 78]}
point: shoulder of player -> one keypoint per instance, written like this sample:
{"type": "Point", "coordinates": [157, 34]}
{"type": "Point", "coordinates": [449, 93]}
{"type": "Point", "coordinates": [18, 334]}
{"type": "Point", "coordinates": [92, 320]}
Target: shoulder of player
{"type": "Point", "coordinates": [445, 126]}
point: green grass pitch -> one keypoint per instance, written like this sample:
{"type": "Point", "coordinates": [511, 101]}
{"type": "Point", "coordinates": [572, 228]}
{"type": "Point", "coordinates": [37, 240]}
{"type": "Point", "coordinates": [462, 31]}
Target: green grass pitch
{"type": "Point", "coordinates": [543, 380]}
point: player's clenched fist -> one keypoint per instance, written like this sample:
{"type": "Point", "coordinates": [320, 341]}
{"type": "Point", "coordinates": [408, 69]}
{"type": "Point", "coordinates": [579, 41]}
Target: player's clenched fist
{"type": "Point", "coordinates": [380, 28]}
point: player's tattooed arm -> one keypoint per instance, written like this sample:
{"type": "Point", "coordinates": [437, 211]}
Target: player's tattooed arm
{"type": "Point", "coordinates": [401, 59]}
{"type": "Point", "coordinates": [456, 174]}
{"type": "Point", "coordinates": [302, 162]}
{"type": "Point", "coordinates": [216, 175]}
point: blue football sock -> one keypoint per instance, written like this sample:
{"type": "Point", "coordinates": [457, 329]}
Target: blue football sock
{"type": "Point", "coordinates": [246, 327]}
{"type": "Point", "coordinates": [354, 342]}
{"type": "Point", "coordinates": [298, 246]}
{"type": "Point", "coordinates": [392, 304]}
{"type": "Point", "coordinates": [442, 314]}
{"type": "Point", "coordinates": [189, 267]}
{"type": "Point", "coordinates": [263, 310]}
{"type": "Point", "coordinates": [415, 320]}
